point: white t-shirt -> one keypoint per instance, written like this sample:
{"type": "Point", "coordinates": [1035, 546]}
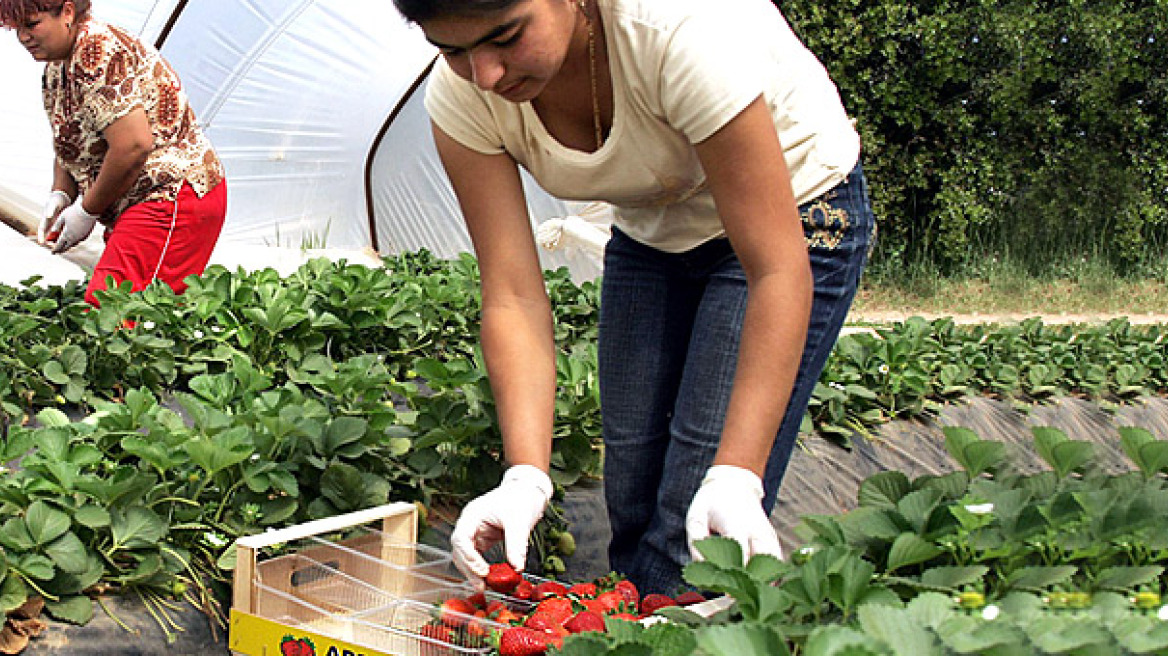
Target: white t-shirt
{"type": "Point", "coordinates": [681, 70]}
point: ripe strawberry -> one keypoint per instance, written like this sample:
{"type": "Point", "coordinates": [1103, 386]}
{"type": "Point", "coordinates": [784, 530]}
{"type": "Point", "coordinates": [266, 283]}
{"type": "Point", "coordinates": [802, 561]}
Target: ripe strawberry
{"type": "Point", "coordinates": [652, 602]}
{"type": "Point", "coordinates": [437, 631]}
{"type": "Point", "coordinates": [477, 600]}
{"type": "Point", "coordinates": [610, 601]}
{"type": "Point", "coordinates": [548, 589]}
{"type": "Point", "coordinates": [441, 634]}
{"type": "Point", "coordinates": [624, 616]}
{"type": "Point", "coordinates": [583, 590]}
{"type": "Point", "coordinates": [629, 591]}
{"type": "Point", "coordinates": [594, 605]}
{"type": "Point", "coordinates": [506, 616]}
{"type": "Point", "coordinates": [455, 612]}
{"type": "Point", "coordinates": [503, 578]}
{"type": "Point", "coordinates": [689, 597]}
{"type": "Point", "coordinates": [557, 609]}
{"type": "Point", "coordinates": [522, 641]}
{"type": "Point", "coordinates": [524, 590]}
{"type": "Point", "coordinates": [585, 620]}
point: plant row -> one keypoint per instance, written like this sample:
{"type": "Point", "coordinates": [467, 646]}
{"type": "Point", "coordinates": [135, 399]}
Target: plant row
{"type": "Point", "coordinates": [984, 560]}
{"type": "Point", "coordinates": [145, 435]}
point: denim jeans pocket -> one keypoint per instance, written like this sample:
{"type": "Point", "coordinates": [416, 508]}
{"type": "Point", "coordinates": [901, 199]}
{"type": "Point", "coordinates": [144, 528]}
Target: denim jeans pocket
{"type": "Point", "coordinates": [840, 214]}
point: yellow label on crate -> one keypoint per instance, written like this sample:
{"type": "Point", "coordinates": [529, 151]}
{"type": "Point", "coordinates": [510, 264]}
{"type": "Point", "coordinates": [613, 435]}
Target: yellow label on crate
{"type": "Point", "coordinates": [257, 636]}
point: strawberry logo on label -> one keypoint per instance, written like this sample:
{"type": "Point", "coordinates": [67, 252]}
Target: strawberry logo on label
{"type": "Point", "coordinates": [293, 646]}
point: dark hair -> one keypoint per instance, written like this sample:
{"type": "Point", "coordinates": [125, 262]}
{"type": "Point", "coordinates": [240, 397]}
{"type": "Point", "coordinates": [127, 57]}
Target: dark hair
{"type": "Point", "coordinates": [14, 13]}
{"type": "Point", "coordinates": [418, 11]}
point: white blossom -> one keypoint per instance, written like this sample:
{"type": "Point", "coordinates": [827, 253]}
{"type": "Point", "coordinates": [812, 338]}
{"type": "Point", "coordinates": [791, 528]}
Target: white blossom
{"type": "Point", "coordinates": [980, 508]}
{"type": "Point", "coordinates": [990, 612]}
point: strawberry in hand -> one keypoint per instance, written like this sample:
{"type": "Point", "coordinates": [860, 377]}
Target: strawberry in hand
{"type": "Point", "coordinates": [503, 578]}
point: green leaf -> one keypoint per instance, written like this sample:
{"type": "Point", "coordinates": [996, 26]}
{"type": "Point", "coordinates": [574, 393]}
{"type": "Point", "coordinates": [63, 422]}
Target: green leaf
{"type": "Point", "coordinates": [893, 627]}
{"type": "Point", "coordinates": [1142, 635]}
{"type": "Point", "coordinates": [1040, 577]}
{"type": "Point", "coordinates": [838, 640]}
{"type": "Point", "coordinates": [930, 609]}
{"type": "Point", "coordinates": [137, 528]}
{"type": "Point", "coordinates": [52, 418]}
{"type": "Point", "coordinates": [92, 516]}
{"type": "Point", "coordinates": [721, 551]}
{"type": "Point", "coordinates": [910, 549]}
{"type": "Point", "coordinates": [884, 490]}
{"type": "Point", "coordinates": [33, 566]}
{"type": "Point", "coordinates": [1126, 578]}
{"type": "Point", "coordinates": [1071, 456]}
{"type": "Point", "coordinates": [68, 553]}
{"type": "Point", "coordinates": [1153, 457]}
{"type": "Point", "coordinates": [55, 372]}
{"type": "Point", "coordinates": [77, 609]}
{"type": "Point", "coordinates": [743, 639]}
{"type": "Point", "coordinates": [953, 577]}
{"type": "Point", "coordinates": [765, 568]}
{"type": "Point", "coordinates": [706, 575]}
{"type": "Point", "coordinates": [14, 535]}
{"type": "Point", "coordinates": [220, 452]}
{"type": "Point", "coordinates": [13, 593]}
{"type": "Point", "coordinates": [1059, 635]}
{"type": "Point", "coordinates": [45, 523]}
{"type": "Point", "coordinates": [341, 432]}
{"type": "Point", "coordinates": [915, 507]}
{"type": "Point", "coordinates": [668, 639]}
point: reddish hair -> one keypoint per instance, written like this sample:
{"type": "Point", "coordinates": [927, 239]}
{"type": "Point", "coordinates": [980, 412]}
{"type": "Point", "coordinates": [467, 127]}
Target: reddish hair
{"type": "Point", "coordinates": [14, 13]}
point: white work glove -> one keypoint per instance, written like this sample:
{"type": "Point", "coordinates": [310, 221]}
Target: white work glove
{"type": "Point", "coordinates": [57, 201]}
{"type": "Point", "coordinates": [507, 513]}
{"type": "Point", "coordinates": [74, 224]}
{"type": "Point", "coordinates": [573, 231]}
{"type": "Point", "coordinates": [729, 503]}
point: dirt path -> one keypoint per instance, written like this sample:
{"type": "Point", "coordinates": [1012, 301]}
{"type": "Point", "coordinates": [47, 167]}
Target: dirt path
{"type": "Point", "coordinates": [889, 316]}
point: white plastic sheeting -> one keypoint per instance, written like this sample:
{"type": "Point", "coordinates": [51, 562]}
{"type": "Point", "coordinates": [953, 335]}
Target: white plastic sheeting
{"type": "Point", "coordinates": [297, 96]}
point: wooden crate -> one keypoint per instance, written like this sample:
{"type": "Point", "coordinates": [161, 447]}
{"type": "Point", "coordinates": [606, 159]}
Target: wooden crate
{"type": "Point", "coordinates": [368, 593]}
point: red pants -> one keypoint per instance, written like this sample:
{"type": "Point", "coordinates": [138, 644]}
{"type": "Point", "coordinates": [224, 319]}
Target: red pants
{"type": "Point", "coordinates": [161, 240]}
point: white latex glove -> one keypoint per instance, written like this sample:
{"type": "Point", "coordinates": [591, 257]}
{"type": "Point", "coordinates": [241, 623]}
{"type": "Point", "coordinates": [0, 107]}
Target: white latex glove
{"type": "Point", "coordinates": [507, 513]}
{"type": "Point", "coordinates": [573, 231]}
{"type": "Point", "coordinates": [74, 224]}
{"type": "Point", "coordinates": [729, 503]}
{"type": "Point", "coordinates": [57, 201]}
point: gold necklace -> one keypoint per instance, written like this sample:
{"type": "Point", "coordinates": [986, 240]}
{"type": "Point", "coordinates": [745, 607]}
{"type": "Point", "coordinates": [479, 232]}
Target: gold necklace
{"type": "Point", "coordinates": [592, 75]}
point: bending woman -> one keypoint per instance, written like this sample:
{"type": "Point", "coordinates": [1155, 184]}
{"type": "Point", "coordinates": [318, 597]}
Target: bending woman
{"type": "Point", "coordinates": [741, 228]}
{"type": "Point", "coordinates": [129, 153]}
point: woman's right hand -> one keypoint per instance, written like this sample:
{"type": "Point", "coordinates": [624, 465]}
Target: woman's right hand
{"type": "Point", "coordinates": [56, 203]}
{"type": "Point", "coordinates": [506, 513]}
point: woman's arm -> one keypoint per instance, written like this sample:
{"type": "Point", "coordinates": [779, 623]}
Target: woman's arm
{"type": "Point", "coordinates": [517, 334]}
{"type": "Point", "coordinates": [62, 180]}
{"type": "Point", "coordinates": [751, 185]}
{"type": "Point", "coordinates": [130, 143]}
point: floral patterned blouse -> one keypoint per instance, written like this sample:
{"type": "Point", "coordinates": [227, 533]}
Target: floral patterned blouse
{"type": "Point", "coordinates": [109, 74]}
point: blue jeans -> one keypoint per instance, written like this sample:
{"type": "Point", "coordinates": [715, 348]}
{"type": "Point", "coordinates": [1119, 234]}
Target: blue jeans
{"type": "Point", "coordinates": [669, 334]}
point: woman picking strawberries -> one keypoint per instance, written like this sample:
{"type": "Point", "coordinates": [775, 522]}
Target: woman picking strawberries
{"type": "Point", "coordinates": [129, 153]}
{"type": "Point", "coordinates": [742, 225]}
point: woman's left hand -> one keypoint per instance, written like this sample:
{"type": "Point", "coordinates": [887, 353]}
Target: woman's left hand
{"type": "Point", "coordinates": [729, 503]}
{"type": "Point", "coordinates": [74, 226]}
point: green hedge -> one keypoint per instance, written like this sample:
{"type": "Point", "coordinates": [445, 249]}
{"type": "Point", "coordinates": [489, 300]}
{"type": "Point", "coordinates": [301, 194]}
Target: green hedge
{"type": "Point", "coordinates": [1031, 130]}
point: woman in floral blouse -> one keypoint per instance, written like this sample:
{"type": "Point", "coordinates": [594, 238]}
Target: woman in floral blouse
{"type": "Point", "coordinates": [129, 153]}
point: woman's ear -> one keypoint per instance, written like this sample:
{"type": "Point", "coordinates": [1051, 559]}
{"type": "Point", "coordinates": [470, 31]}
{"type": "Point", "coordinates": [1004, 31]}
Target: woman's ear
{"type": "Point", "coordinates": [69, 12]}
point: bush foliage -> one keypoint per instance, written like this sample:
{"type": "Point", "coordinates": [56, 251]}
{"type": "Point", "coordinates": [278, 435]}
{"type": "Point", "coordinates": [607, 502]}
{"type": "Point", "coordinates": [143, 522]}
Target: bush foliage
{"type": "Point", "coordinates": [1032, 130]}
